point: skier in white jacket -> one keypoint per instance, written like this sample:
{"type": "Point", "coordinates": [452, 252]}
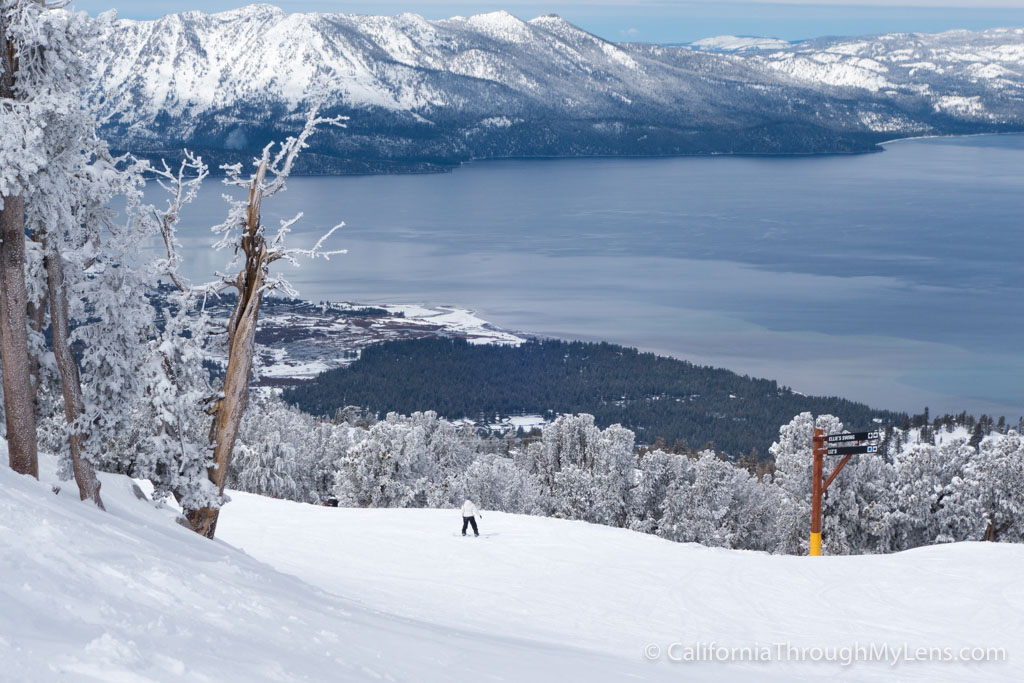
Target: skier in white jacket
{"type": "Point", "coordinates": [469, 513]}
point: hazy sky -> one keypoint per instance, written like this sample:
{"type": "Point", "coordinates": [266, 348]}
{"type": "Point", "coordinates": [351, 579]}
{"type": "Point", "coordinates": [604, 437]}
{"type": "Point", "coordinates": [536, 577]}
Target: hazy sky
{"type": "Point", "coordinates": [663, 21]}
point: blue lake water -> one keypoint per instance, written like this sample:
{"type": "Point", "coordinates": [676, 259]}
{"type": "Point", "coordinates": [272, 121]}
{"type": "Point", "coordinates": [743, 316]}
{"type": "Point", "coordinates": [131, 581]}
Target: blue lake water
{"type": "Point", "coordinates": [894, 278]}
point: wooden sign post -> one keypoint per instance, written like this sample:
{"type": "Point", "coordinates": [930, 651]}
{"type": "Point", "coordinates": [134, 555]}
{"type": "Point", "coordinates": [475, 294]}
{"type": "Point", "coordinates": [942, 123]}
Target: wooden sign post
{"type": "Point", "coordinates": [817, 491]}
{"type": "Point", "coordinates": [833, 444]}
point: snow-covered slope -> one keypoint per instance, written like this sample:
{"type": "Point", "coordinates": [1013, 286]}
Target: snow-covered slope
{"type": "Point", "coordinates": [427, 93]}
{"type": "Point", "coordinates": [358, 595]}
{"type": "Point", "coordinates": [130, 596]}
{"type": "Point", "coordinates": [612, 591]}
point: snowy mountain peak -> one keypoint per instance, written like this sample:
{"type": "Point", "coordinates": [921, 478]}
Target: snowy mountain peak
{"type": "Point", "coordinates": [429, 91]}
{"type": "Point", "coordinates": [255, 9]}
{"type": "Point", "coordinates": [498, 17]}
{"type": "Point", "coordinates": [261, 11]}
{"type": "Point", "coordinates": [501, 25]}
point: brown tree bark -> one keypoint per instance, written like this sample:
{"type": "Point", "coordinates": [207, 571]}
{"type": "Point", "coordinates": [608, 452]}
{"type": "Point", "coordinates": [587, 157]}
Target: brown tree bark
{"type": "Point", "coordinates": [19, 395]}
{"type": "Point", "coordinates": [251, 282]}
{"type": "Point", "coordinates": [230, 407]}
{"type": "Point", "coordinates": [70, 382]}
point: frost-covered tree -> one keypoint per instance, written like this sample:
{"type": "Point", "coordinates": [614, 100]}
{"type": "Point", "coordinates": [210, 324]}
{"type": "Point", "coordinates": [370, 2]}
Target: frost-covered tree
{"type": "Point", "coordinates": [494, 482]}
{"type": "Point", "coordinates": [451, 456]}
{"type": "Point", "coordinates": [584, 473]}
{"type": "Point", "coordinates": [930, 494]}
{"type": "Point", "coordinates": [377, 472]}
{"type": "Point", "coordinates": [244, 234]}
{"type": "Point", "coordinates": [714, 503]}
{"type": "Point", "coordinates": [319, 461]}
{"type": "Point", "coordinates": [657, 474]}
{"type": "Point", "coordinates": [996, 484]}
{"type": "Point", "coordinates": [25, 96]}
{"type": "Point", "coordinates": [614, 467]}
{"type": "Point", "coordinates": [757, 511]}
{"type": "Point", "coordinates": [171, 420]}
{"type": "Point", "coordinates": [871, 521]}
{"type": "Point", "coordinates": [269, 469]}
{"type": "Point", "coordinates": [172, 417]}
{"type": "Point", "coordinates": [56, 183]}
{"type": "Point", "coordinates": [569, 441]}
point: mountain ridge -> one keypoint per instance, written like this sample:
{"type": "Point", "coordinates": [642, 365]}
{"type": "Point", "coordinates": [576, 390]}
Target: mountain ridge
{"type": "Point", "coordinates": [431, 94]}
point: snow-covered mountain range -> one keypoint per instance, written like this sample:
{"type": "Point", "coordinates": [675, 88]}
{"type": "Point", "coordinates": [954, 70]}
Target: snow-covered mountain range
{"type": "Point", "coordinates": [427, 94]}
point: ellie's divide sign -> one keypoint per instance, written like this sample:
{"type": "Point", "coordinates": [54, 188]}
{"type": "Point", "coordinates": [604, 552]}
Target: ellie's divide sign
{"type": "Point", "coordinates": [843, 444]}
{"type": "Point", "coordinates": [850, 437]}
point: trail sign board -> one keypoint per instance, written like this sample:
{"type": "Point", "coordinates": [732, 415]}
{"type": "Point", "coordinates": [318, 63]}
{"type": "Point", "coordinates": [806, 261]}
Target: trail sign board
{"type": "Point", "coordinates": [851, 450]}
{"type": "Point", "coordinates": [833, 444]}
{"type": "Point", "coordinates": [852, 436]}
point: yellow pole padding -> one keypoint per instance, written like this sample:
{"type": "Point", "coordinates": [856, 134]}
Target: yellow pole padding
{"type": "Point", "coordinates": [815, 544]}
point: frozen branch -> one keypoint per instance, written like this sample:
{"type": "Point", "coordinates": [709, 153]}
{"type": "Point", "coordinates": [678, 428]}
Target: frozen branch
{"type": "Point", "coordinates": [182, 186]}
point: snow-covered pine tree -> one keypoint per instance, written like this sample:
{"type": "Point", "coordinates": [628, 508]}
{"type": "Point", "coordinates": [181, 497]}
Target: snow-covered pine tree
{"type": "Point", "coordinates": [585, 473]}
{"type": "Point", "coordinates": [561, 462]}
{"type": "Point", "coordinates": [63, 177]}
{"type": "Point", "coordinates": [494, 482]}
{"type": "Point", "coordinates": [317, 460]}
{"type": "Point", "coordinates": [614, 468]}
{"type": "Point", "coordinates": [378, 471]}
{"type": "Point", "coordinates": [714, 503]}
{"type": "Point", "coordinates": [306, 447]}
{"type": "Point", "coordinates": [451, 456]}
{"type": "Point", "coordinates": [995, 481]}
{"type": "Point", "coordinates": [65, 212]}
{"type": "Point", "coordinates": [931, 496]}
{"type": "Point", "coordinates": [94, 281]}
{"type": "Point", "coordinates": [268, 469]}
{"type": "Point", "coordinates": [657, 473]}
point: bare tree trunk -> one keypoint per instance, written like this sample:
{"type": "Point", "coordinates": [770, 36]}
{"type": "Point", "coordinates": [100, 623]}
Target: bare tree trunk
{"type": "Point", "coordinates": [229, 408]}
{"type": "Point", "coordinates": [19, 401]}
{"type": "Point", "coordinates": [70, 382]}
{"type": "Point", "coordinates": [251, 282]}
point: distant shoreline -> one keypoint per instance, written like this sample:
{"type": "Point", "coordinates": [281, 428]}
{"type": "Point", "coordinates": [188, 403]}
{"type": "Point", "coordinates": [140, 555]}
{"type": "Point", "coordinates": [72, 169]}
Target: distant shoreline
{"type": "Point", "coordinates": [940, 137]}
{"type": "Point", "coordinates": [879, 147]}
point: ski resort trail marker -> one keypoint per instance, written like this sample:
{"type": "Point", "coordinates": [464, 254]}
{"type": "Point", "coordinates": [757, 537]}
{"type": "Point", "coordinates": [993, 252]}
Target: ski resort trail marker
{"type": "Point", "coordinates": [854, 443]}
